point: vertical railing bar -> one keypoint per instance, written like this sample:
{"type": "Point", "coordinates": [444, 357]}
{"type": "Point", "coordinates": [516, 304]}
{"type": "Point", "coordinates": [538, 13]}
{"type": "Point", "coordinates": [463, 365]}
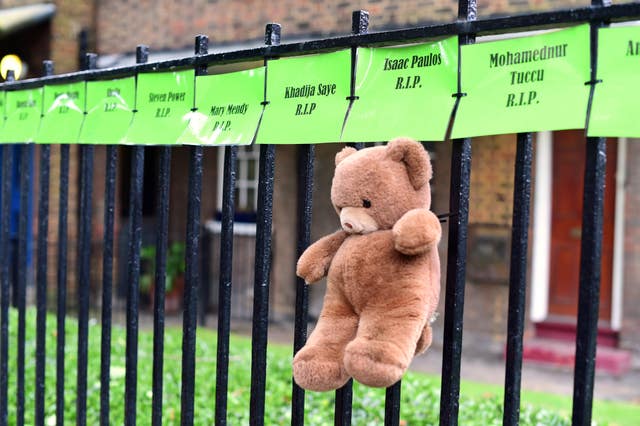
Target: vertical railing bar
{"type": "Point", "coordinates": [344, 395]}
{"type": "Point", "coordinates": [260, 321]}
{"type": "Point", "coordinates": [224, 290]}
{"type": "Point", "coordinates": [205, 276]}
{"type": "Point", "coordinates": [41, 282]}
{"type": "Point", "coordinates": [517, 278]}
{"type": "Point", "coordinates": [41, 274]}
{"type": "Point", "coordinates": [456, 253]}
{"type": "Point", "coordinates": [133, 270]}
{"type": "Point", "coordinates": [23, 224]}
{"type": "Point", "coordinates": [306, 156]}
{"type": "Point", "coordinates": [63, 210]}
{"type": "Point", "coordinates": [590, 254]}
{"type": "Point", "coordinates": [589, 291]}
{"type": "Point", "coordinates": [392, 405]}
{"type": "Point", "coordinates": [107, 280]}
{"type": "Point", "coordinates": [5, 220]}
{"type": "Point", "coordinates": [162, 241]}
{"type": "Point", "coordinates": [84, 267]}
{"type": "Point", "coordinates": [261, 285]}
{"type": "Point", "coordinates": [192, 268]}
{"type": "Point", "coordinates": [456, 270]}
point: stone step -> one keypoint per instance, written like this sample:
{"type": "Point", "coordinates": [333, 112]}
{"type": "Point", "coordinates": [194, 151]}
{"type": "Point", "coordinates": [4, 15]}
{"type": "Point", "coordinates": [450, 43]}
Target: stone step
{"type": "Point", "coordinates": [562, 353]}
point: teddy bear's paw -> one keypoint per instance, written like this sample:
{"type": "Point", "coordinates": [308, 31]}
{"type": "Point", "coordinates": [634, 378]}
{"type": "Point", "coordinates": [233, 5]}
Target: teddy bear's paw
{"type": "Point", "coordinates": [309, 271]}
{"type": "Point", "coordinates": [317, 374]}
{"type": "Point", "coordinates": [416, 232]}
{"type": "Point", "coordinates": [375, 363]}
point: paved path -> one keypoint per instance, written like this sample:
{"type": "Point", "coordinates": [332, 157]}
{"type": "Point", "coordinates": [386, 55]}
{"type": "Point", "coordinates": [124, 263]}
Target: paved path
{"type": "Point", "coordinates": [482, 361]}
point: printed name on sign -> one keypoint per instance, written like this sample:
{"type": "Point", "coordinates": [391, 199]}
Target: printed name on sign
{"type": "Point", "coordinates": [67, 95]}
{"type": "Point", "coordinates": [525, 56]}
{"type": "Point", "coordinates": [633, 48]}
{"type": "Point", "coordinates": [415, 61]}
{"type": "Point", "coordinates": [519, 57]}
{"type": "Point", "coordinates": [25, 104]}
{"type": "Point", "coordinates": [167, 97]}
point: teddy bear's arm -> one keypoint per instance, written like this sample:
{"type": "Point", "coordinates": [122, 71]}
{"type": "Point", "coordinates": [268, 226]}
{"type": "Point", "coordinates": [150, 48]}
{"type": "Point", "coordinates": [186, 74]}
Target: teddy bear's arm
{"type": "Point", "coordinates": [314, 262]}
{"type": "Point", "coordinates": [416, 232]}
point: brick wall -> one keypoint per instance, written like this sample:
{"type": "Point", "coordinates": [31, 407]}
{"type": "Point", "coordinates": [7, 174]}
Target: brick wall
{"type": "Point", "coordinates": [70, 18]}
{"type": "Point", "coordinates": [165, 24]}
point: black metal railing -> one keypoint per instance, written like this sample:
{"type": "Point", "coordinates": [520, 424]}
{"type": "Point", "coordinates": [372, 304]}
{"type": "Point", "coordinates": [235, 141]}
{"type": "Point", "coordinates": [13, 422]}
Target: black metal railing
{"type": "Point", "coordinates": [467, 27]}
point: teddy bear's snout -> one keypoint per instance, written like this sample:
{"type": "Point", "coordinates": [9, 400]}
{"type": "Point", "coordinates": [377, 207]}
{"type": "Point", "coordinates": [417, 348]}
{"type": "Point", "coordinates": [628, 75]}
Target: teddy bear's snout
{"type": "Point", "coordinates": [355, 220]}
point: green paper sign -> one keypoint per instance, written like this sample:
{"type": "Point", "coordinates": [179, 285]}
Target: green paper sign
{"type": "Point", "coordinates": [3, 96]}
{"type": "Point", "coordinates": [228, 109]}
{"type": "Point", "coordinates": [109, 111]}
{"type": "Point", "coordinates": [404, 91]}
{"type": "Point", "coordinates": [615, 100]}
{"type": "Point", "coordinates": [23, 109]}
{"type": "Point", "coordinates": [524, 84]}
{"type": "Point", "coordinates": [63, 113]}
{"type": "Point", "coordinates": [307, 99]}
{"type": "Point", "coordinates": [163, 102]}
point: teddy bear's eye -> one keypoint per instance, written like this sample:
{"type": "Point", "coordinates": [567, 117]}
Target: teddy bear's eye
{"type": "Point", "coordinates": [366, 203]}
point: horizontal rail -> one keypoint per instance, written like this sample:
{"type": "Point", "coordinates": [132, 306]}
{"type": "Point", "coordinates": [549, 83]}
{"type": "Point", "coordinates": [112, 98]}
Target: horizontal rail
{"type": "Point", "coordinates": [522, 22]}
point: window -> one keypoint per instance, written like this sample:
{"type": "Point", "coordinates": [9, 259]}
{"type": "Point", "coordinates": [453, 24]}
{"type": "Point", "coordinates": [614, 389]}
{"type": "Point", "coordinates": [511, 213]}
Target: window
{"type": "Point", "coordinates": [246, 191]}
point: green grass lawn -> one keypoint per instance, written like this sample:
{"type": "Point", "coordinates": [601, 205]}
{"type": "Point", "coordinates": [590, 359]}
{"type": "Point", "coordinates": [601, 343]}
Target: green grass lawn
{"type": "Point", "coordinates": [480, 404]}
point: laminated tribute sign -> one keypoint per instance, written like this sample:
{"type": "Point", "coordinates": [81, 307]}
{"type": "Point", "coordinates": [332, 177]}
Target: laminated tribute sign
{"type": "Point", "coordinates": [615, 99]}
{"type": "Point", "coordinates": [524, 84]}
{"type": "Point", "coordinates": [228, 109]}
{"type": "Point", "coordinates": [404, 91]}
{"type": "Point", "coordinates": [23, 109]}
{"type": "Point", "coordinates": [109, 111]}
{"type": "Point", "coordinates": [307, 99]}
{"type": "Point", "coordinates": [163, 103]}
{"type": "Point", "coordinates": [62, 114]}
{"type": "Point", "coordinates": [3, 96]}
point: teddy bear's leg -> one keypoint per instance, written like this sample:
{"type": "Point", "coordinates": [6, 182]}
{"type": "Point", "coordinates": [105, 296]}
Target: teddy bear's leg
{"type": "Point", "coordinates": [386, 340]}
{"type": "Point", "coordinates": [318, 366]}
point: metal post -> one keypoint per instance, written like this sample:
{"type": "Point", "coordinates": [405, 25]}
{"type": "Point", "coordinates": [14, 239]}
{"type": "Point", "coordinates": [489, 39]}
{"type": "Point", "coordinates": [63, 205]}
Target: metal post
{"type": "Point", "coordinates": [306, 154]}
{"type": "Point", "coordinates": [192, 272]}
{"type": "Point", "coordinates": [24, 222]}
{"type": "Point", "coordinates": [518, 277]}
{"type": "Point", "coordinates": [262, 266]}
{"type": "Point", "coordinates": [41, 278]}
{"type": "Point", "coordinates": [5, 270]}
{"type": "Point", "coordinates": [107, 281]}
{"type": "Point", "coordinates": [225, 283]}
{"type": "Point", "coordinates": [456, 255]}
{"type": "Point", "coordinates": [84, 268]}
{"type": "Point", "coordinates": [133, 272]}
{"type": "Point", "coordinates": [590, 255]}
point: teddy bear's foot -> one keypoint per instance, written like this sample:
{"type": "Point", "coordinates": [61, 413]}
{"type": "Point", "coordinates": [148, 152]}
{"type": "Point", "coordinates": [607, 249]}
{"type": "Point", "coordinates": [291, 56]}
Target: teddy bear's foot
{"type": "Point", "coordinates": [425, 340]}
{"type": "Point", "coordinates": [375, 363]}
{"type": "Point", "coordinates": [317, 373]}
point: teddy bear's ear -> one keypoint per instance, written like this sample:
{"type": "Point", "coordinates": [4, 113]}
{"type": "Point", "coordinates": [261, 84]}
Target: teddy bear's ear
{"type": "Point", "coordinates": [415, 158]}
{"type": "Point", "coordinates": [344, 153]}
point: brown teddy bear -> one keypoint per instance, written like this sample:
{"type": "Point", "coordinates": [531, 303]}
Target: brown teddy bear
{"type": "Point", "coordinates": [382, 267]}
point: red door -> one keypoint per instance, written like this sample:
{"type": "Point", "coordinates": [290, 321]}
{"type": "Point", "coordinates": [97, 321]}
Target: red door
{"type": "Point", "coordinates": [568, 181]}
